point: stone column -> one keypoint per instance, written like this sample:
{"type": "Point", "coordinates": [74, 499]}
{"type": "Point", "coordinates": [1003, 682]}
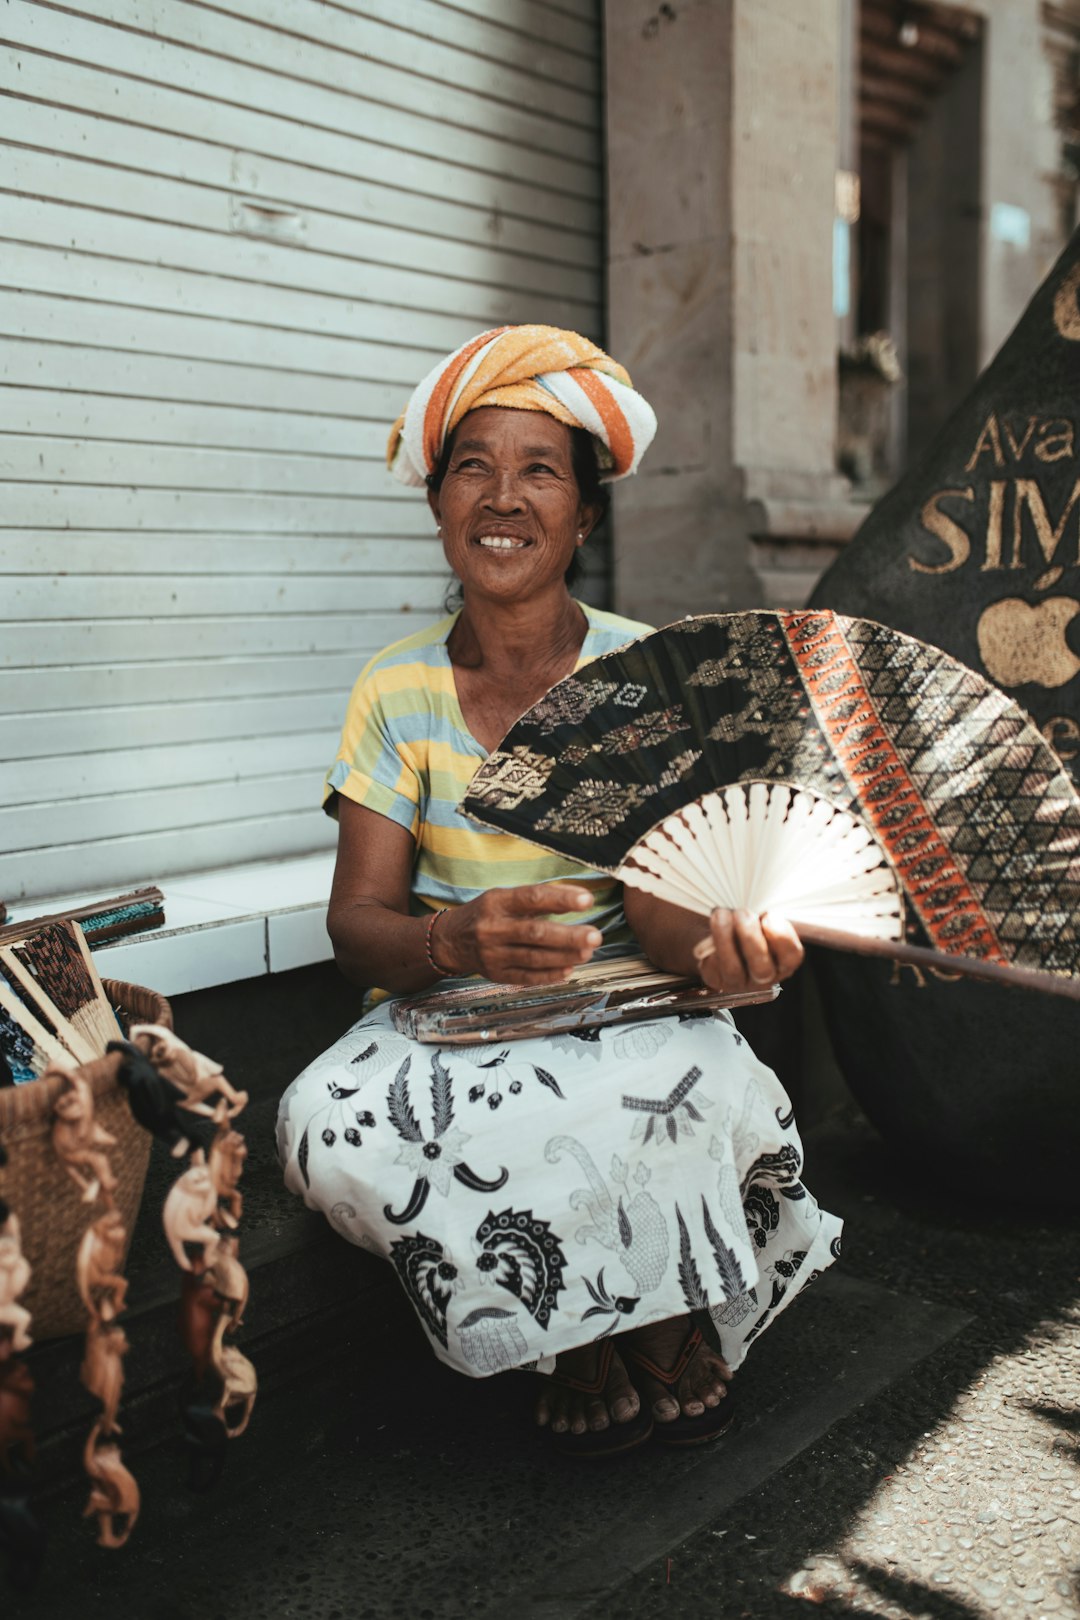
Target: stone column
{"type": "Point", "coordinates": [1021, 159]}
{"type": "Point", "coordinates": [722, 139]}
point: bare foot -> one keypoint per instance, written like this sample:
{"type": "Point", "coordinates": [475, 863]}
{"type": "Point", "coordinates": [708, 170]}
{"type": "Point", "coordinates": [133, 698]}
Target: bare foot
{"type": "Point", "coordinates": [573, 1411]}
{"type": "Point", "coordinates": [703, 1384]}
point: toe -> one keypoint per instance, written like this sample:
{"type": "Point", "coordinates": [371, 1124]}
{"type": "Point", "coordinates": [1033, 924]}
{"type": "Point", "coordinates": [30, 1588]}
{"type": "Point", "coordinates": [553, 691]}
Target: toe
{"type": "Point", "coordinates": [560, 1416]}
{"type": "Point", "coordinates": [625, 1407]}
{"type": "Point", "coordinates": [598, 1414]}
{"type": "Point", "coordinates": [623, 1401]}
{"type": "Point", "coordinates": [703, 1384]}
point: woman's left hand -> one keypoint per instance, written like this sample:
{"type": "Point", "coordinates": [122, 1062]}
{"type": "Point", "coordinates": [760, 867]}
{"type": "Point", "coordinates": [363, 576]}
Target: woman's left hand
{"type": "Point", "coordinates": [748, 952]}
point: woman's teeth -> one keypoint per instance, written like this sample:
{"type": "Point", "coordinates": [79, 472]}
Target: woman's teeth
{"type": "Point", "coordinates": [501, 542]}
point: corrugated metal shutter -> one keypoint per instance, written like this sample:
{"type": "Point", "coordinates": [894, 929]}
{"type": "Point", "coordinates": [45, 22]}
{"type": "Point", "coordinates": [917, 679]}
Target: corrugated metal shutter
{"type": "Point", "coordinates": [231, 239]}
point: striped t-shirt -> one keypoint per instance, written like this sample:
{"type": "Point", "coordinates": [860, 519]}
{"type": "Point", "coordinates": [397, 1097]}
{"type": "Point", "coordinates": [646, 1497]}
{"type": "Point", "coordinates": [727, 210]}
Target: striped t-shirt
{"type": "Point", "coordinates": [407, 753]}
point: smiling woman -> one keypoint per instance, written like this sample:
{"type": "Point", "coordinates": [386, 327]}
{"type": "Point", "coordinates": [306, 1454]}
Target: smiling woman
{"type": "Point", "coordinates": [512, 435]}
{"type": "Point", "coordinates": [509, 504]}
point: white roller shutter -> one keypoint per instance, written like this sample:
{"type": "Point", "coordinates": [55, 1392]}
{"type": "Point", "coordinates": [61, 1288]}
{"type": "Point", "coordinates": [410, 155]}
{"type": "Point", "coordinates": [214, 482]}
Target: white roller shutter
{"type": "Point", "coordinates": [231, 239]}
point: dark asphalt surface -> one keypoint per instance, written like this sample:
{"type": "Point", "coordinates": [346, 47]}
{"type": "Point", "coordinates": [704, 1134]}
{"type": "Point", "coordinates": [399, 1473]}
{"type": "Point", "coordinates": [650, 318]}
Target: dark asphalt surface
{"type": "Point", "coordinates": [908, 1444]}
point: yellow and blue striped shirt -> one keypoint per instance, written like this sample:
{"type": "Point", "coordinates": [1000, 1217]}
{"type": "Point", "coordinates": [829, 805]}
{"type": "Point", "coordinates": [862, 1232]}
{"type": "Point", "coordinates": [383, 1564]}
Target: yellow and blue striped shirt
{"type": "Point", "coordinates": [407, 753]}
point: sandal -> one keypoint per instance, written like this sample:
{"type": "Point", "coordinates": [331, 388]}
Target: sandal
{"type": "Point", "coordinates": [683, 1431]}
{"type": "Point", "coordinates": [617, 1437]}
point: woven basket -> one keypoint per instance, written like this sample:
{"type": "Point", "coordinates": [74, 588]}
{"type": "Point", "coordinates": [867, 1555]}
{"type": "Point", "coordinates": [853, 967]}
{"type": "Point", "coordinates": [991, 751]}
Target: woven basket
{"type": "Point", "coordinates": [39, 1190]}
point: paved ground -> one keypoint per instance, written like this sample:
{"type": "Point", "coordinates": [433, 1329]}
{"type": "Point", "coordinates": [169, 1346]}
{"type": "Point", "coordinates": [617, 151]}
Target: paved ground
{"type": "Point", "coordinates": [908, 1445]}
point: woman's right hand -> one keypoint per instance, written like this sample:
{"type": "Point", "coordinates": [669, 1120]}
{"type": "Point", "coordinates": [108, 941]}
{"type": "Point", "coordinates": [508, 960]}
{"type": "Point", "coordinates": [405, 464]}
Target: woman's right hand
{"type": "Point", "coordinates": [508, 935]}
{"type": "Point", "coordinates": [743, 952]}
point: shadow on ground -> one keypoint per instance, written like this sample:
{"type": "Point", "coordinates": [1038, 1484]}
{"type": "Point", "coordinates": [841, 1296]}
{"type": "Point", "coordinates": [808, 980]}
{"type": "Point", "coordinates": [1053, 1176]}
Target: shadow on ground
{"type": "Point", "coordinates": [378, 1484]}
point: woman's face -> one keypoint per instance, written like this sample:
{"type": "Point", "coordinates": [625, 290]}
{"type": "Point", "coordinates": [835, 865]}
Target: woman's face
{"type": "Point", "coordinates": [510, 509]}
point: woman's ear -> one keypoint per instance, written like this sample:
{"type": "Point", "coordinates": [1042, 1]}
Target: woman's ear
{"type": "Point", "coordinates": [588, 517]}
{"type": "Point", "coordinates": [433, 502]}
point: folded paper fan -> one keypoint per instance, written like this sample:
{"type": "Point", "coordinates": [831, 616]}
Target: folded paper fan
{"type": "Point", "coordinates": [878, 793]}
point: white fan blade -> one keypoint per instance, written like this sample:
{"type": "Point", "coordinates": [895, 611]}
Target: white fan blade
{"type": "Point", "coordinates": [770, 847]}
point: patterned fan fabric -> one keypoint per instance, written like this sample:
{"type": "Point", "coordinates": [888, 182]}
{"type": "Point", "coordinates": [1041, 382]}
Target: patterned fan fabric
{"type": "Point", "coordinates": [972, 808]}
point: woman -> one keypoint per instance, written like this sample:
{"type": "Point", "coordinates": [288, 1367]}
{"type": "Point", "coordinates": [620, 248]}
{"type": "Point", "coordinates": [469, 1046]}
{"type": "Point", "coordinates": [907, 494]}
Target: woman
{"type": "Point", "coordinates": [559, 1202]}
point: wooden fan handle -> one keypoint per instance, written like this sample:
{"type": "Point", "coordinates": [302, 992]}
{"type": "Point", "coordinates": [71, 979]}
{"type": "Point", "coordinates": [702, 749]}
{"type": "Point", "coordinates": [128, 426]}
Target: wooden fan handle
{"type": "Point", "coordinates": [895, 950]}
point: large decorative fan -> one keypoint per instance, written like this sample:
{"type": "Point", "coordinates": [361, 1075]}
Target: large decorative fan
{"type": "Point", "coordinates": [878, 793]}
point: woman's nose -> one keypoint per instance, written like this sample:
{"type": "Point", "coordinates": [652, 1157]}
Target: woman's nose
{"type": "Point", "coordinates": [504, 492]}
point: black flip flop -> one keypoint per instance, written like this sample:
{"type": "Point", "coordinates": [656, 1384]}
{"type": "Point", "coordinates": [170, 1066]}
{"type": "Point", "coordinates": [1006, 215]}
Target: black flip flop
{"type": "Point", "coordinates": [617, 1437]}
{"type": "Point", "coordinates": [683, 1431]}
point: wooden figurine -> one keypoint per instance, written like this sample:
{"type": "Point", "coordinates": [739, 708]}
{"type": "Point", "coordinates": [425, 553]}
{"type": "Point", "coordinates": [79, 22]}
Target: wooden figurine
{"type": "Point", "coordinates": [14, 1276]}
{"type": "Point", "coordinates": [81, 1146]}
{"type": "Point", "coordinates": [190, 1204]}
{"type": "Point", "coordinates": [156, 1103]}
{"type": "Point", "coordinates": [78, 1141]}
{"type": "Point", "coordinates": [102, 1289]}
{"type": "Point", "coordinates": [229, 1281]}
{"type": "Point", "coordinates": [239, 1387]}
{"type": "Point", "coordinates": [102, 1370]}
{"type": "Point", "coordinates": [227, 1155]}
{"type": "Point", "coordinates": [114, 1494]}
{"type": "Point", "coordinates": [201, 1213]}
{"type": "Point", "coordinates": [200, 1308]}
{"type": "Point", "coordinates": [197, 1076]}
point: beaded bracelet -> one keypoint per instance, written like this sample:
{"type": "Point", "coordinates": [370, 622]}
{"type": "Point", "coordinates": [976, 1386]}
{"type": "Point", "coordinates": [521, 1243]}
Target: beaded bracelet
{"type": "Point", "coordinates": [443, 973]}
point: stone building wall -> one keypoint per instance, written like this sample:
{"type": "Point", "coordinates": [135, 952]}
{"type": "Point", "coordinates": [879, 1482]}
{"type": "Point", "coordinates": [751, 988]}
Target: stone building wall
{"type": "Point", "coordinates": [727, 123]}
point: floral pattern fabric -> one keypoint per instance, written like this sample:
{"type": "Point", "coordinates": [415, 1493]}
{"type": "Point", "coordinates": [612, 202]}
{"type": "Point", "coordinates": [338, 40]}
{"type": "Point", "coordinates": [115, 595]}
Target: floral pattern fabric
{"type": "Point", "coordinates": [539, 1194]}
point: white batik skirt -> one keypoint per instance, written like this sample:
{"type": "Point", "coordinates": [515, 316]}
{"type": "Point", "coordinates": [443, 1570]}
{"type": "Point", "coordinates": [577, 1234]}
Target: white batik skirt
{"type": "Point", "coordinates": [536, 1195]}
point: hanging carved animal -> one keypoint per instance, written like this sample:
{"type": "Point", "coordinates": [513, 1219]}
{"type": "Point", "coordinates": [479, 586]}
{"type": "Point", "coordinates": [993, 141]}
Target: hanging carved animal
{"type": "Point", "coordinates": [198, 1077]}
{"type": "Point", "coordinates": [102, 1370]}
{"type": "Point", "coordinates": [158, 1104]}
{"type": "Point", "coordinates": [189, 1207]}
{"type": "Point", "coordinates": [78, 1141]}
{"type": "Point", "coordinates": [102, 1288]}
{"type": "Point", "coordinates": [228, 1153]}
{"type": "Point", "coordinates": [229, 1281]}
{"type": "Point", "coordinates": [200, 1310]}
{"type": "Point", "coordinates": [114, 1494]}
{"type": "Point", "coordinates": [240, 1385]}
{"type": "Point", "coordinates": [14, 1276]}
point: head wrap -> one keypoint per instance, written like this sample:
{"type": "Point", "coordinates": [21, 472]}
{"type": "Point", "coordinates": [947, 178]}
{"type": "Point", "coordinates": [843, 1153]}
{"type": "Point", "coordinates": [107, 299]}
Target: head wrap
{"type": "Point", "coordinates": [526, 368]}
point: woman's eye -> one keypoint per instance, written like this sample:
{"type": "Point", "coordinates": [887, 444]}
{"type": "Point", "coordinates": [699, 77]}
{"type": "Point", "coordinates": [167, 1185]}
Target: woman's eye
{"type": "Point", "coordinates": [541, 467]}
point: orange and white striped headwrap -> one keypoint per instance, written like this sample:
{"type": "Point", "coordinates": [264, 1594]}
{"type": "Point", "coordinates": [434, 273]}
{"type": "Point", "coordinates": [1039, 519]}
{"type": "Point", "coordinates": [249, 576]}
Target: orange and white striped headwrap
{"type": "Point", "coordinates": [526, 368]}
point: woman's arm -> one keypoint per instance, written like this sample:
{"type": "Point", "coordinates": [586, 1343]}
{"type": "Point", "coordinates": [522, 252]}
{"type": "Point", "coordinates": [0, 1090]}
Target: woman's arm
{"type": "Point", "coordinates": [506, 934]}
{"type": "Point", "coordinates": [748, 951]}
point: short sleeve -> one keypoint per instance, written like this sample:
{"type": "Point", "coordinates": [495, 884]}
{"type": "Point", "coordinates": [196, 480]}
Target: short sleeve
{"type": "Point", "coordinates": [371, 767]}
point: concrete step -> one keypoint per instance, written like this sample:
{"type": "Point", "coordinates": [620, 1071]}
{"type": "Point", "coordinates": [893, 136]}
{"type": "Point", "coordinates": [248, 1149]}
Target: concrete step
{"type": "Point", "coordinates": [303, 1277]}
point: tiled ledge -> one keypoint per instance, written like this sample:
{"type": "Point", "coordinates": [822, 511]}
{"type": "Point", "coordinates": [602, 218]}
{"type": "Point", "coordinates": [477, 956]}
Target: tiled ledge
{"type": "Point", "coordinates": [221, 926]}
